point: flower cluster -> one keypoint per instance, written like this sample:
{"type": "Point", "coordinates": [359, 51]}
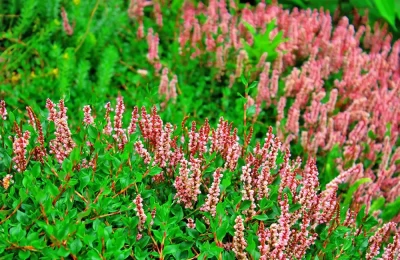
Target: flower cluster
{"type": "Point", "coordinates": [3, 110]}
{"type": "Point", "coordinates": [19, 147]}
{"type": "Point", "coordinates": [354, 114]}
{"type": "Point", "coordinates": [140, 212]}
{"type": "Point", "coordinates": [88, 118]}
{"type": "Point", "coordinates": [345, 93]}
{"type": "Point", "coordinates": [302, 208]}
{"type": "Point", "coordinates": [63, 144]}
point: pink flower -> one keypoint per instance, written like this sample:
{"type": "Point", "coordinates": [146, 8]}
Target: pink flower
{"type": "Point", "coordinates": [140, 212]}
{"type": "Point", "coordinates": [108, 128]}
{"type": "Point", "coordinates": [134, 120]}
{"type": "Point", "coordinates": [248, 191]}
{"type": "Point", "coordinates": [213, 194]}
{"type": "Point", "coordinates": [3, 110]}
{"type": "Point", "coordinates": [88, 119]}
{"type": "Point", "coordinates": [63, 144]}
{"type": "Point", "coordinates": [52, 110]}
{"type": "Point", "coordinates": [7, 180]}
{"type": "Point", "coordinates": [120, 135]}
{"type": "Point", "coordinates": [191, 224]}
{"type": "Point", "coordinates": [139, 148]}
{"type": "Point", "coordinates": [19, 149]}
{"type": "Point", "coordinates": [239, 242]}
{"type": "Point", "coordinates": [67, 27]}
{"type": "Point", "coordinates": [376, 240]}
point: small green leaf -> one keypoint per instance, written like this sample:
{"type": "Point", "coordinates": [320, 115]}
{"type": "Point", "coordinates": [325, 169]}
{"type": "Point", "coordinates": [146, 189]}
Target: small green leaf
{"type": "Point", "coordinates": [22, 217]}
{"type": "Point", "coordinates": [222, 230]}
{"type": "Point", "coordinates": [138, 176]}
{"type": "Point", "coordinates": [170, 249]}
{"type": "Point", "coordinates": [245, 205]}
{"type": "Point", "coordinates": [377, 204]}
{"type": "Point", "coordinates": [353, 189]}
{"type": "Point", "coordinates": [76, 246]}
{"type": "Point", "coordinates": [262, 217]}
{"type": "Point", "coordinates": [24, 254]}
{"type": "Point", "coordinates": [155, 171]}
{"type": "Point", "coordinates": [200, 226]}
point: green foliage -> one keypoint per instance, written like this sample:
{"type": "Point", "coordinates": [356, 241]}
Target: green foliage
{"type": "Point", "coordinates": [54, 211]}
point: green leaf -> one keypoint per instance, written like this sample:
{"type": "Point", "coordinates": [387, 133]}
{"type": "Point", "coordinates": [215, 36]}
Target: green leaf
{"type": "Point", "coordinates": [244, 80]}
{"type": "Point", "coordinates": [353, 189]}
{"type": "Point", "coordinates": [245, 205]}
{"type": "Point", "coordinates": [22, 217]}
{"type": "Point", "coordinates": [76, 246]}
{"type": "Point", "coordinates": [226, 182]}
{"type": "Point", "coordinates": [92, 132]}
{"type": "Point", "coordinates": [24, 254]}
{"type": "Point", "coordinates": [371, 135]}
{"type": "Point", "coordinates": [155, 171]}
{"type": "Point", "coordinates": [170, 249]}
{"type": "Point", "coordinates": [265, 204]}
{"type": "Point", "coordinates": [387, 9]}
{"type": "Point", "coordinates": [200, 226]}
{"type": "Point", "coordinates": [138, 176]}
{"type": "Point", "coordinates": [262, 217]}
{"type": "Point", "coordinates": [220, 209]}
{"type": "Point", "coordinates": [294, 207]}
{"type": "Point", "coordinates": [222, 230]}
{"type": "Point", "coordinates": [377, 204]}
{"type": "Point", "coordinates": [391, 210]}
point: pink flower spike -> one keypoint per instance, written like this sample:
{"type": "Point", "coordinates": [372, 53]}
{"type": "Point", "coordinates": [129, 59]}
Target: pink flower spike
{"type": "Point", "coordinates": [88, 119]}
{"type": "Point", "coordinates": [140, 212]}
{"type": "Point", "coordinates": [3, 110]}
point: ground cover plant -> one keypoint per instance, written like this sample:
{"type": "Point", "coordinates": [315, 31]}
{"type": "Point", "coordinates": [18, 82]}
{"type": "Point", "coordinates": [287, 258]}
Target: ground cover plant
{"type": "Point", "coordinates": [154, 189]}
{"type": "Point", "coordinates": [326, 173]}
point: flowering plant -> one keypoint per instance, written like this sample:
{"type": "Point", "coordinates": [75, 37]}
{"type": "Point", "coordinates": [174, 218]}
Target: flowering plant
{"type": "Point", "coordinates": [153, 189]}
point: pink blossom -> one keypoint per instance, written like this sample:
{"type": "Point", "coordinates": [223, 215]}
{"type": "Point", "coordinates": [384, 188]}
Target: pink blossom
{"type": "Point", "coordinates": [67, 27]}
{"type": "Point", "coordinates": [140, 212]}
{"type": "Point", "coordinates": [139, 148]}
{"type": "Point", "coordinates": [239, 243]}
{"type": "Point", "coordinates": [7, 180]}
{"type": "Point", "coordinates": [63, 144]}
{"type": "Point", "coordinates": [88, 119]}
{"type": "Point", "coordinates": [3, 110]}
{"type": "Point", "coordinates": [108, 128]}
{"type": "Point", "coordinates": [213, 194]}
{"type": "Point", "coordinates": [134, 120]}
{"type": "Point", "coordinates": [191, 224]}
{"type": "Point", "coordinates": [19, 149]}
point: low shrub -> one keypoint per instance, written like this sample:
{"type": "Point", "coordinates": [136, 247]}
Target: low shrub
{"type": "Point", "coordinates": [151, 189]}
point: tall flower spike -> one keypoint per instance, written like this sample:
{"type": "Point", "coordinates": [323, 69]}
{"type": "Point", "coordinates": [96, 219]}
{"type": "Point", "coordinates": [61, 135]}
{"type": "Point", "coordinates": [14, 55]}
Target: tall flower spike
{"type": "Point", "coordinates": [120, 135]}
{"type": "Point", "coordinates": [52, 110]}
{"type": "Point", "coordinates": [239, 242]}
{"type": "Point", "coordinates": [134, 120]}
{"type": "Point", "coordinates": [139, 148]}
{"type": "Point", "coordinates": [376, 240]}
{"type": "Point", "coordinates": [88, 119]}
{"type": "Point", "coordinates": [31, 116]}
{"type": "Point", "coordinates": [108, 128]}
{"type": "Point", "coordinates": [40, 151]}
{"type": "Point", "coordinates": [67, 27]}
{"type": "Point", "coordinates": [3, 110]}
{"type": "Point", "coordinates": [63, 144]}
{"type": "Point", "coordinates": [7, 180]}
{"type": "Point", "coordinates": [213, 194]}
{"type": "Point", "coordinates": [248, 191]}
{"type": "Point", "coordinates": [19, 147]}
{"type": "Point", "coordinates": [140, 212]}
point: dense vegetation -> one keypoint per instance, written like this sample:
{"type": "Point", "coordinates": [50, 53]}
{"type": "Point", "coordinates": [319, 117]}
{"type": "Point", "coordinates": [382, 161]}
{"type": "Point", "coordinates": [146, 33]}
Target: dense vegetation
{"type": "Point", "coordinates": [199, 129]}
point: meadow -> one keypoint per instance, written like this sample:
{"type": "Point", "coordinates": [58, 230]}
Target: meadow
{"type": "Point", "coordinates": [171, 129]}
